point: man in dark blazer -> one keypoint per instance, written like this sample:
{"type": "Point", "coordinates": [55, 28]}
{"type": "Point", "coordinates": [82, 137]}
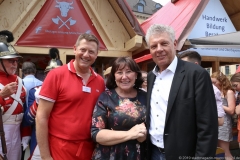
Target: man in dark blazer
{"type": "Point", "coordinates": [182, 117]}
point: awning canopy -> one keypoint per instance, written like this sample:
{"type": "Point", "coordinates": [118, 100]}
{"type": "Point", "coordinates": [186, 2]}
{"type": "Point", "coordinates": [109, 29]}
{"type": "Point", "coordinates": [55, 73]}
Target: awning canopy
{"type": "Point", "coordinates": [143, 58]}
{"type": "Point", "coordinates": [229, 39]}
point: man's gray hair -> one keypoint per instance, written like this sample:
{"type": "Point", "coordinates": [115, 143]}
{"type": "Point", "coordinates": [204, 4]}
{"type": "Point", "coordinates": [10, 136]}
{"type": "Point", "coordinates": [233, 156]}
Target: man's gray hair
{"type": "Point", "coordinates": [28, 68]}
{"type": "Point", "coordinates": [158, 29]}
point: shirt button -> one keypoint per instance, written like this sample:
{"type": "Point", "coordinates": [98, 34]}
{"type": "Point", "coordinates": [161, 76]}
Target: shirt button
{"type": "Point", "coordinates": [156, 128]}
{"type": "Point", "coordinates": [157, 115]}
{"type": "Point", "coordinates": [156, 102]}
{"type": "Point", "coordinates": [158, 90]}
{"type": "Point", "coordinates": [160, 78]}
{"type": "Point", "coordinates": [157, 140]}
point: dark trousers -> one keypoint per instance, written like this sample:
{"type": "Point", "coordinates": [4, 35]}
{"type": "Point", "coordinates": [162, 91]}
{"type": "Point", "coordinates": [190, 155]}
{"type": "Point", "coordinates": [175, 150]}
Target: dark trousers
{"type": "Point", "coordinates": [23, 154]}
{"type": "Point", "coordinates": [156, 154]}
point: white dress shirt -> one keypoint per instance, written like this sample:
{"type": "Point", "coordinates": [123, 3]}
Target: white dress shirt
{"type": "Point", "coordinates": [159, 102]}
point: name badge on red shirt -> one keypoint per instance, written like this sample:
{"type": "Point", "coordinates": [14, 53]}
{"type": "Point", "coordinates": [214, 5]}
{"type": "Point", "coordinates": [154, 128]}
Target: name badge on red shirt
{"type": "Point", "coordinates": [86, 89]}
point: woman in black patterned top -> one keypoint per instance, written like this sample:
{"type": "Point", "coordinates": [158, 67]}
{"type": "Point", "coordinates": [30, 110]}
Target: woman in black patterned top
{"type": "Point", "coordinates": [119, 115]}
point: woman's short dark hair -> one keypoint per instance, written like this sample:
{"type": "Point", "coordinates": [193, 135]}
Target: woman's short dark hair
{"type": "Point", "coordinates": [28, 68]}
{"type": "Point", "coordinates": [122, 62]}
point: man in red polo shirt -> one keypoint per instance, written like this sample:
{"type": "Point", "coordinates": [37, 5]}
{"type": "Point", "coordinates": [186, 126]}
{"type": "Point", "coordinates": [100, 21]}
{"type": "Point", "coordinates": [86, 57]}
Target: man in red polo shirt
{"type": "Point", "coordinates": [67, 99]}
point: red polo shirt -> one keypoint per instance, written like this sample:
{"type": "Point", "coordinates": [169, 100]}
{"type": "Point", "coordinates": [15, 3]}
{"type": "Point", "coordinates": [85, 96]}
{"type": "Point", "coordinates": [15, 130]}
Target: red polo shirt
{"type": "Point", "coordinates": [71, 115]}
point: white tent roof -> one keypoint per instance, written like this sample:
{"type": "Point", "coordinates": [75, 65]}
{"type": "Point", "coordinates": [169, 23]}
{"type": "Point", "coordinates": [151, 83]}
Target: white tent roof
{"type": "Point", "coordinates": [229, 40]}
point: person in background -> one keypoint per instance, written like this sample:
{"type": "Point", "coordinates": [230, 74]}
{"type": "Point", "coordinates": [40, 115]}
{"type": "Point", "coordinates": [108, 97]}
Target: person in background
{"type": "Point", "coordinates": [67, 99]}
{"type": "Point", "coordinates": [235, 80]}
{"type": "Point", "coordinates": [29, 80]}
{"type": "Point", "coordinates": [54, 62]}
{"type": "Point", "coordinates": [12, 96]}
{"type": "Point", "coordinates": [30, 113]}
{"type": "Point", "coordinates": [235, 115]}
{"type": "Point", "coordinates": [144, 84]}
{"type": "Point", "coordinates": [106, 73]}
{"type": "Point", "coordinates": [118, 119]}
{"type": "Point", "coordinates": [194, 57]}
{"type": "Point", "coordinates": [229, 103]}
{"type": "Point", "coordinates": [54, 55]}
{"type": "Point", "coordinates": [182, 116]}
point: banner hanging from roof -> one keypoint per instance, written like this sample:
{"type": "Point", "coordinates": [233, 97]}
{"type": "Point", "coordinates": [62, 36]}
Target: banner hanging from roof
{"type": "Point", "coordinates": [58, 24]}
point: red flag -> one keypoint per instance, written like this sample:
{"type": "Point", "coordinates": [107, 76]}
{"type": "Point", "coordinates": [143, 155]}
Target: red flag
{"type": "Point", "coordinates": [58, 24]}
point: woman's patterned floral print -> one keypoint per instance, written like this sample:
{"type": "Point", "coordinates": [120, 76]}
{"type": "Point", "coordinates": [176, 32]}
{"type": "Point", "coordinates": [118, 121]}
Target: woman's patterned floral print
{"type": "Point", "coordinates": [117, 113]}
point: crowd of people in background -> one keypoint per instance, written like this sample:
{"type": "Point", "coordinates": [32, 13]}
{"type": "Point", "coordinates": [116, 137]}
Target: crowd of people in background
{"type": "Point", "coordinates": [174, 110]}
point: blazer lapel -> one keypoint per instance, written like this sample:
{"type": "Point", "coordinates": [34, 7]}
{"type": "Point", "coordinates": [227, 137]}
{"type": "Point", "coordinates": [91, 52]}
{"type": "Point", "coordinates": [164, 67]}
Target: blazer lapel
{"type": "Point", "coordinates": [176, 83]}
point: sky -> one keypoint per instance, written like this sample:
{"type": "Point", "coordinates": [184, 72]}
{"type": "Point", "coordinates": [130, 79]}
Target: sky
{"type": "Point", "coordinates": [162, 2]}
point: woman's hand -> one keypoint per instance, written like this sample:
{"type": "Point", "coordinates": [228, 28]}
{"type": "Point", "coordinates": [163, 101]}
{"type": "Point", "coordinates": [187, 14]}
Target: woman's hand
{"type": "Point", "coordinates": [142, 139]}
{"type": "Point", "coordinates": [138, 132]}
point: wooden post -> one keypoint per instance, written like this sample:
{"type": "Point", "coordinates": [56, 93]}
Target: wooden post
{"type": "Point", "coordinates": [215, 65]}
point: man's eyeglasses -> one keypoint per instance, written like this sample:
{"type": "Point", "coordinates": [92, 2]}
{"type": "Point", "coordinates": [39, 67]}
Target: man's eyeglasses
{"type": "Point", "coordinates": [12, 61]}
{"type": "Point", "coordinates": [234, 85]}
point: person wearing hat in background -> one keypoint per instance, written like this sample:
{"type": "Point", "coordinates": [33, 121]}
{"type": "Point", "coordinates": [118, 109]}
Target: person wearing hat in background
{"type": "Point", "coordinates": [54, 54]}
{"type": "Point", "coordinates": [106, 73]}
{"type": "Point", "coordinates": [67, 98]}
{"type": "Point", "coordinates": [55, 60]}
{"type": "Point", "coordinates": [12, 96]}
{"type": "Point", "coordinates": [30, 113]}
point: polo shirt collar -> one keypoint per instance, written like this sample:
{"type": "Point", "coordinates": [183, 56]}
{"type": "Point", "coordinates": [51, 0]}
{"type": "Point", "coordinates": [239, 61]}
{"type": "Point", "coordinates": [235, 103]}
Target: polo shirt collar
{"type": "Point", "coordinates": [72, 69]}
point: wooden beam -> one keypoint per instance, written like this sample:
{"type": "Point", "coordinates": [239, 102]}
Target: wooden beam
{"type": "Point", "coordinates": [24, 14]}
{"type": "Point", "coordinates": [38, 50]}
{"type": "Point", "coordinates": [141, 49]}
{"type": "Point", "coordinates": [134, 43]}
{"type": "Point", "coordinates": [63, 57]}
{"type": "Point", "coordinates": [114, 54]}
{"type": "Point", "coordinates": [97, 21]}
{"type": "Point", "coordinates": [215, 66]}
{"type": "Point", "coordinates": [229, 59]}
{"type": "Point", "coordinates": [122, 17]}
{"type": "Point", "coordinates": [209, 58]}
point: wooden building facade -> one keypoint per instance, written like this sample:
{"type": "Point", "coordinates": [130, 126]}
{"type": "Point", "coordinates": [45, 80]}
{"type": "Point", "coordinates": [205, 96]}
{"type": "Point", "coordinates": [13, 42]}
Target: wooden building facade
{"type": "Point", "coordinates": [113, 20]}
